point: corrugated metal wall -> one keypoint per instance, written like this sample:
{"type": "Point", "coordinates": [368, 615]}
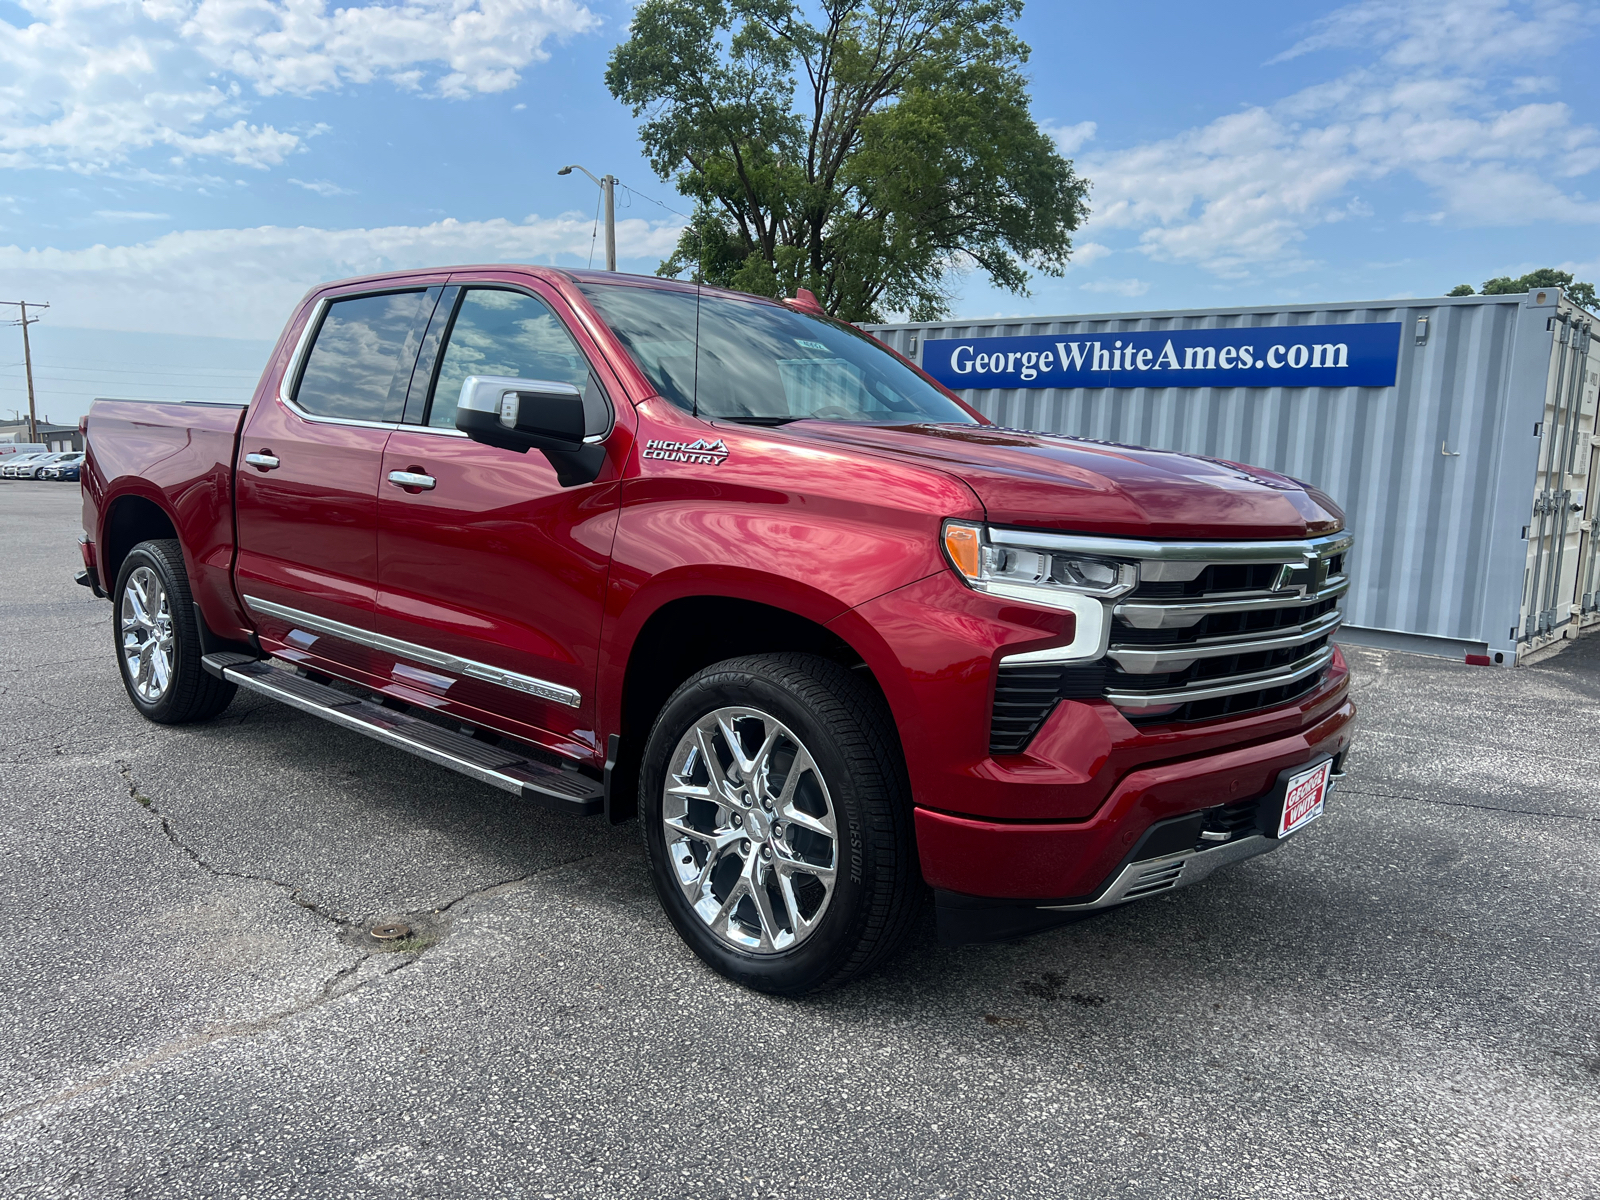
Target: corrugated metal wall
{"type": "Point", "coordinates": [1436, 474]}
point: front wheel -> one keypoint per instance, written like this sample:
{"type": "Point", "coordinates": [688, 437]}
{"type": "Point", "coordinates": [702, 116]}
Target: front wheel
{"type": "Point", "coordinates": [778, 822]}
{"type": "Point", "coordinates": [158, 638]}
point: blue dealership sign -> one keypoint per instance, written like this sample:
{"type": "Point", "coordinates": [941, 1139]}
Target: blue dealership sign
{"type": "Point", "coordinates": [1355, 355]}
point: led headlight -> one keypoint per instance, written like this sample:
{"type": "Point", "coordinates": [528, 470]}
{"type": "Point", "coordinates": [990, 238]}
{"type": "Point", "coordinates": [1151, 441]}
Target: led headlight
{"type": "Point", "coordinates": [1083, 584]}
{"type": "Point", "coordinates": [1034, 574]}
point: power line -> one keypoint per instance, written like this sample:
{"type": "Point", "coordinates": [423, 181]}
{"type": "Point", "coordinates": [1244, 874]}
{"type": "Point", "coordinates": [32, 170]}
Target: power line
{"type": "Point", "coordinates": [116, 369]}
{"type": "Point", "coordinates": [44, 379]}
{"type": "Point", "coordinates": [653, 200]}
{"type": "Point", "coordinates": [117, 362]}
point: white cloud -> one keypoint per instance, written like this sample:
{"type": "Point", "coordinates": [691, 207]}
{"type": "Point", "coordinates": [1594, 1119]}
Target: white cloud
{"type": "Point", "coordinates": [322, 187]}
{"type": "Point", "coordinates": [1241, 194]}
{"type": "Point", "coordinates": [1117, 287]}
{"type": "Point", "coordinates": [188, 282]}
{"type": "Point", "coordinates": [111, 214]}
{"type": "Point", "coordinates": [1462, 34]}
{"type": "Point", "coordinates": [90, 84]}
{"type": "Point", "coordinates": [300, 46]}
{"type": "Point", "coordinates": [1068, 138]}
{"type": "Point", "coordinates": [1085, 253]}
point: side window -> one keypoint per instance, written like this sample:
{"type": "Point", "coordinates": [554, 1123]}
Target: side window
{"type": "Point", "coordinates": [505, 333]}
{"type": "Point", "coordinates": [360, 363]}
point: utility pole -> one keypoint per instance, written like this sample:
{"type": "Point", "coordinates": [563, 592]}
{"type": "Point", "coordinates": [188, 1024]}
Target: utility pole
{"type": "Point", "coordinates": [27, 360]}
{"type": "Point", "coordinates": [608, 188]}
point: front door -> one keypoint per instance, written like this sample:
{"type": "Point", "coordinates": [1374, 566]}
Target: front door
{"type": "Point", "coordinates": [307, 479]}
{"type": "Point", "coordinates": [491, 569]}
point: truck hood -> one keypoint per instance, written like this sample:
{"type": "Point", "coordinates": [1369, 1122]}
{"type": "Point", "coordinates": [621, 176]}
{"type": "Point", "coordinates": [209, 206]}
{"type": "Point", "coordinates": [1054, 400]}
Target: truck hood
{"type": "Point", "coordinates": [1078, 484]}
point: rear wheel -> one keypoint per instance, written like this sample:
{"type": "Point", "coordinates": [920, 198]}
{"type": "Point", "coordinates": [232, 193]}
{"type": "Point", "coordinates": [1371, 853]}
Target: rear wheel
{"type": "Point", "coordinates": [777, 822]}
{"type": "Point", "coordinates": [158, 639]}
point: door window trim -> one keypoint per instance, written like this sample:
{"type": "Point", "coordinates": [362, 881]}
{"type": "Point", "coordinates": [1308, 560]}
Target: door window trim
{"type": "Point", "coordinates": [430, 353]}
{"type": "Point", "coordinates": [289, 384]}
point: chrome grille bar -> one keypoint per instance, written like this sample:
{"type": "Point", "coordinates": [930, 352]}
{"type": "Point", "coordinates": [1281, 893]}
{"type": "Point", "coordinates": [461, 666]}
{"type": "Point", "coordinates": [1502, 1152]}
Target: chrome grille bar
{"type": "Point", "coordinates": [1147, 614]}
{"type": "Point", "coordinates": [1209, 552]}
{"type": "Point", "coordinates": [1233, 686]}
{"type": "Point", "coordinates": [1145, 660]}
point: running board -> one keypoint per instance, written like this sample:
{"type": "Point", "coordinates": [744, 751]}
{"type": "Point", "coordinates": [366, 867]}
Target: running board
{"type": "Point", "coordinates": [547, 786]}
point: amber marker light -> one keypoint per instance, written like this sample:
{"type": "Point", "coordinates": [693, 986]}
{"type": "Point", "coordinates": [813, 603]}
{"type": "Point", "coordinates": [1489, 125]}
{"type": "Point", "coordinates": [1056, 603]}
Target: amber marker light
{"type": "Point", "coordinates": [964, 545]}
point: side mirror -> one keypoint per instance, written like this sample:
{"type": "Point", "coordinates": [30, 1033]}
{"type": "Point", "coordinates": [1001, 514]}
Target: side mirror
{"type": "Point", "coordinates": [534, 414]}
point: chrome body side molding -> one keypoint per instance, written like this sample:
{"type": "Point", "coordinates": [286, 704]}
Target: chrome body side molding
{"type": "Point", "coordinates": [466, 667]}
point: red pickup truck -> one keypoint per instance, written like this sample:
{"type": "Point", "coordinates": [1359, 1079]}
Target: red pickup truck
{"type": "Point", "coordinates": [623, 545]}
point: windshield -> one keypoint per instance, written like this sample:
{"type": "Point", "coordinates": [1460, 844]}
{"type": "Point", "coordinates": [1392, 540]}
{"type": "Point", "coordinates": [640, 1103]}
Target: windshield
{"type": "Point", "coordinates": [764, 364]}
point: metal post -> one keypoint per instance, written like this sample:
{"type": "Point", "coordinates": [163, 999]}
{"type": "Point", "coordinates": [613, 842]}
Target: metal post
{"type": "Point", "coordinates": [609, 183]}
{"type": "Point", "coordinates": [608, 189]}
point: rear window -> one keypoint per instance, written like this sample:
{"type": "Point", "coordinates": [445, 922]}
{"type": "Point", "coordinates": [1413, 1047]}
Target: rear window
{"type": "Point", "coordinates": [361, 361]}
{"type": "Point", "coordinates": [745, 360]}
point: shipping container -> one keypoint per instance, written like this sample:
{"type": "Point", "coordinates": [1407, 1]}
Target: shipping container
{"type": "Point", "coordinates": [1458, 433]}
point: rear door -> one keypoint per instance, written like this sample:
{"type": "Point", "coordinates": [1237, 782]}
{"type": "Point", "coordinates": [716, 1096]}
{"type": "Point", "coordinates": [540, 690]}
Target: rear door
{"type": "Point", "coordinates": [495, 573]}
{"type": "Point", "coordinates": [307, 479]}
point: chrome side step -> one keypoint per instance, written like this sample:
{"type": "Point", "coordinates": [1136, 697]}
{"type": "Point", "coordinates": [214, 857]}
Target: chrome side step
{"type": "Point", "coordinates": [547, 786]}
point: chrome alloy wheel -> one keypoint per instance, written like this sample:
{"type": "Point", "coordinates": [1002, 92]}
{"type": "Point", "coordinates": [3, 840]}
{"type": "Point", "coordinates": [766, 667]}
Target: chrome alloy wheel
{"type": "Point", "coordinates": [147, 634]}
{"type": "Point", "coordinates": [751, 830]}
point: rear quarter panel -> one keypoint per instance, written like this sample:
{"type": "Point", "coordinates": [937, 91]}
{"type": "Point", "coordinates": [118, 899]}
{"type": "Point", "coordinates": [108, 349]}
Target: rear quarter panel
{"type": "Point", "coordinates": [179, 457]}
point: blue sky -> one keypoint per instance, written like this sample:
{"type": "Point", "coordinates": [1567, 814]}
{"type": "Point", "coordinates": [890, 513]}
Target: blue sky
{"type": "Point", "coordinates": [185, 169]}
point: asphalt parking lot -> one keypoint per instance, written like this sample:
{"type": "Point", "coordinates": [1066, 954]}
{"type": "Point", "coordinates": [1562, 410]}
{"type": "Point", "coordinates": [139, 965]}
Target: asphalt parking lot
{"type": "Point", "coordinates": [1401, 1002]}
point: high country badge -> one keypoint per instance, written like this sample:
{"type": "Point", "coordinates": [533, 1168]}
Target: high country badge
{"type": "Point", "coordinates": [697, 451]}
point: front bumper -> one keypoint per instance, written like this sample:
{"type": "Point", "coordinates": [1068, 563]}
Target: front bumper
{"type": "Point", "coordinates": [1171, 854]}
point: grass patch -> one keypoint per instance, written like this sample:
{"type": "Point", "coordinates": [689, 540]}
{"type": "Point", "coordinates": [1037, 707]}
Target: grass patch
{"type": "Point", "coordinates": [415, 944]}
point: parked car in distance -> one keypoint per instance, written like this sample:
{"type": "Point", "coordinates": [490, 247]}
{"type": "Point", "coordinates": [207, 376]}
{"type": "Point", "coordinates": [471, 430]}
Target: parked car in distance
{"type": "Point", "coordinates": [14, 468]}
{"type": "Point", "coordinates": [66, 468]}
{"type": "Point", "coordinates": [30, 470]}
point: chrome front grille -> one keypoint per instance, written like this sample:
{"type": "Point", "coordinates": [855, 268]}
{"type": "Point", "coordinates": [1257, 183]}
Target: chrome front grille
{"type": "Point", "coordinates": [1220, 628]}
{"type": "Point", "coordinates": [1213, 629]}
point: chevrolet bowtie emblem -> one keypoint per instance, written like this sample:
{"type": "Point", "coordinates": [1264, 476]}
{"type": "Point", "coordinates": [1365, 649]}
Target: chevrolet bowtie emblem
{"type": "Point", "coordinates": [1306, 577]}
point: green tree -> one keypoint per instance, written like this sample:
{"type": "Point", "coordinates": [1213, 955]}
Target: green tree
{"type": "Point", "coordinates": [1545, 277]}
{"type": "Point", "coordinates": [1461, 289]}
{"type": "Point", "coordinates": [869, 156]}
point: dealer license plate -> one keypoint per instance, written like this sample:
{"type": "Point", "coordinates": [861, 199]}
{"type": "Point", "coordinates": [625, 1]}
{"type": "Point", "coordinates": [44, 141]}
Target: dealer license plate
{"type": "Point", "coordinates": [1303, 802]}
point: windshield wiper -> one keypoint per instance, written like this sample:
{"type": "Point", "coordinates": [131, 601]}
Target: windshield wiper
{"type": "Point", "coordinates": [757, 420]}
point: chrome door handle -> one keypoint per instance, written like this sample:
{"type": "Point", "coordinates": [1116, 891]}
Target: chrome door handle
{"type": "Point", "coordinates": [266, 462]}
{"type": "Point", "coordinates": [412, 479]}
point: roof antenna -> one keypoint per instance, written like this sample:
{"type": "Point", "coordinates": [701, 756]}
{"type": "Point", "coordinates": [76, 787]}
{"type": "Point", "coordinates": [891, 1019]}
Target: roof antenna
{"type": "Point", "coordinates": [699, 272]}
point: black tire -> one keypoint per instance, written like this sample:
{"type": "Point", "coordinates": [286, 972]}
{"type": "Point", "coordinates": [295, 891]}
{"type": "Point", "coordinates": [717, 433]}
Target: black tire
{"type": "Point", "coordinates": [849, 736]}
{"type": "Point", "coordinates": [190, 694]}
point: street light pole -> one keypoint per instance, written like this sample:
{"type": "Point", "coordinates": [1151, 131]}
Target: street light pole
{"type": "Point", "coordinates": [608, 188]}
{"type": "Point", "coordinates": [27, 360]}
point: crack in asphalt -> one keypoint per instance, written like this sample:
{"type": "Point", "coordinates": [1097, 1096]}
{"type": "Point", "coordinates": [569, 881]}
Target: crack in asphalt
{"type": "Point", "coordinates": [1520, 812]}
{"type": "Point", "coordinates": [335, 987]}
{"type": "Point", "coordinates": [126, 771]}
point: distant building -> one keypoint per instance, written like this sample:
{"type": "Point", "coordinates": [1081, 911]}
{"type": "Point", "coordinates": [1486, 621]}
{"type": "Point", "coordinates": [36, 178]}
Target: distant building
{"type": "Point", "coordinates": [57, 437]}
